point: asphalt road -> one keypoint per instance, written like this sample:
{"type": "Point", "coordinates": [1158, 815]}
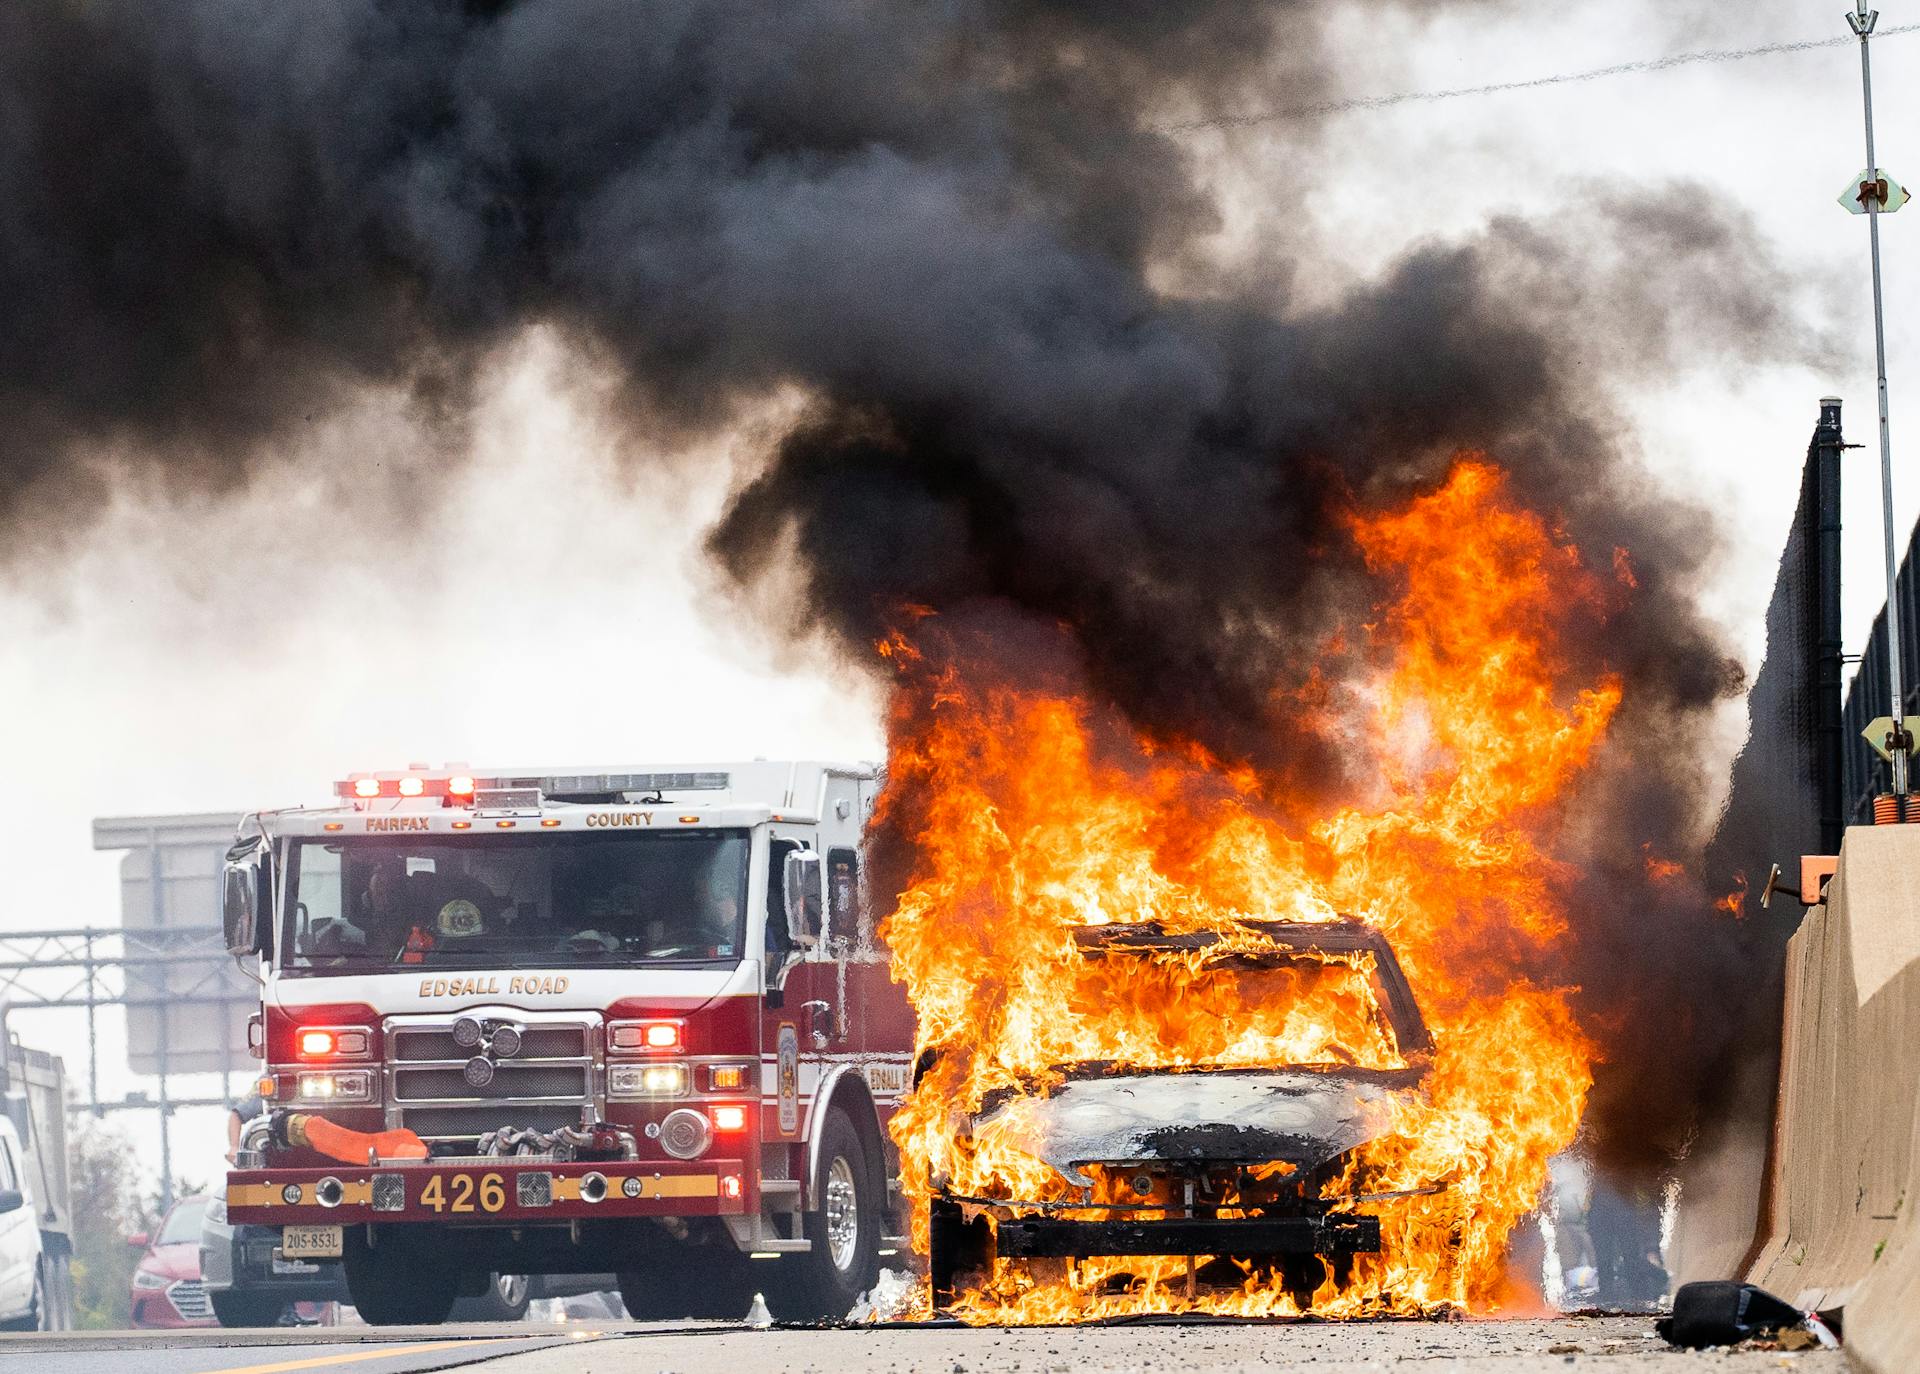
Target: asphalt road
{"type": "Point", "coordinates": [1505, 1347]}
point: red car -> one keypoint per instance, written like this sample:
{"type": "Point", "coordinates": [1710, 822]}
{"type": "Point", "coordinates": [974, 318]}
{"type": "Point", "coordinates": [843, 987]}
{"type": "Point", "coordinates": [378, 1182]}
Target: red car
{"type": "Point", "coordinates": [166, 1283]}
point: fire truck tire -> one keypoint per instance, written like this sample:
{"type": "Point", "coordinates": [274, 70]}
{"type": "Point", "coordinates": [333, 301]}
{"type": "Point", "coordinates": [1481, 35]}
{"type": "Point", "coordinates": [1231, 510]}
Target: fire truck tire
{"type": "Point", "coordinates": [248, 1309]}
{"type": "Point", "coordinates": [504, 1301]}
{"type": "Point", "coordinates": [402, 1281]}
{"type": "Point", "coordinates": [844, 1229]}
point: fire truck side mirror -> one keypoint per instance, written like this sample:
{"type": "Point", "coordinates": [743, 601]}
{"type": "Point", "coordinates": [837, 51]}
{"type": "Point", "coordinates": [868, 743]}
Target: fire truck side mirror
{"type": "Point", "coordinates": [800, 887]}
{"type": "Point", "coordinates": [241, 901]}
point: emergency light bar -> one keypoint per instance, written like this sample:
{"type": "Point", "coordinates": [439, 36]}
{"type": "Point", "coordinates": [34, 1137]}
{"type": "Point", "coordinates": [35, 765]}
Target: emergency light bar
{"type": "Point", "coordinates": [564, 784]}
{"type": "Point", "coordinates": [462, 786]}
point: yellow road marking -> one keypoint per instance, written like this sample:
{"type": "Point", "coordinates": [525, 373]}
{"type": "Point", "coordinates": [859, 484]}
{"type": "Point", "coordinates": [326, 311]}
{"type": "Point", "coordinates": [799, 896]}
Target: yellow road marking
{"type": "Point", "coordinates": [375, 1352]}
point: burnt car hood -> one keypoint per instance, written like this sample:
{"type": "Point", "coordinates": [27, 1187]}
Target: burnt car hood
{"type": "Point", "coordinates": [1303, 1117]}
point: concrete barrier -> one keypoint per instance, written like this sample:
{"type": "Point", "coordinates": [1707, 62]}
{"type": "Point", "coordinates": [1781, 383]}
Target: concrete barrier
{"type": "Point", "coordinates": [1840, 1229]}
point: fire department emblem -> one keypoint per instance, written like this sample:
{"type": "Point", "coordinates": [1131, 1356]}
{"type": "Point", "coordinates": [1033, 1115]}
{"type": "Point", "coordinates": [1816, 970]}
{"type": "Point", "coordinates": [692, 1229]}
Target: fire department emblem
{"type": "Point", "coordinates": [459, 917]}
{"type": "Point", "coordinates": [789, 1078]}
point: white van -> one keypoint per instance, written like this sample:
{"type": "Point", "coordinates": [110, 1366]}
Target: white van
{"type": "Point", "coordinates": [23, 1277]}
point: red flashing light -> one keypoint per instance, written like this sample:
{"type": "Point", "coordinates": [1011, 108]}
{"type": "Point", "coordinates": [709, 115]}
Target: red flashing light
{"type": "Point", "coordinates": [412, 787]}
{"type": "Point", "coordinates": [460, 785]}
{"type": "Point", "coordinates": [729, 1118]}
{"type": "Point", "coordinates": [328, 1042]}
{"type": "Point", "coordinates": [644, 1035]}
{"type": "Point", "coordinates": [730, 1185]}
{"type": "Point", "coordinates": [366, 787]}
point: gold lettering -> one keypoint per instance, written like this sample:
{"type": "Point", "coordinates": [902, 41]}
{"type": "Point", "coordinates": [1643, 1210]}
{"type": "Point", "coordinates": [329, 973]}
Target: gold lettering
{"type": "Point", "coordinates": [604, 820]}
{"type": "Point", "coordinates": [488, 985]}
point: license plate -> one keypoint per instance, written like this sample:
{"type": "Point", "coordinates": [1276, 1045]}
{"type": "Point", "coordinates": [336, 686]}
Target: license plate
{"type": "Point", "coordinates": [310, 1242]}
{"type": "Point", "coordinates": [287, 1266]}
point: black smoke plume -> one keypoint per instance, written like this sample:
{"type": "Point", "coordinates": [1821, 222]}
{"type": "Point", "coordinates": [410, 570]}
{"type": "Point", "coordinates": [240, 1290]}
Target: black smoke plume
{"type": "Point", "coordinates": [948, 227]}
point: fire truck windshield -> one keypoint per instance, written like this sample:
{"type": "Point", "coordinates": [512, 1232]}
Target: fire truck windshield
{"type": "Point", "coordinates": [551, 900]}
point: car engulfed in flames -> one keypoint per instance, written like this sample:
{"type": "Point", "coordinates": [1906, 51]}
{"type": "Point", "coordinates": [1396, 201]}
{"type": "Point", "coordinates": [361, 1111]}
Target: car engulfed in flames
{"type": "Point", "coordinates": [1142, 968]}
{"type": "Point", "coordinates": [1232, 1174]}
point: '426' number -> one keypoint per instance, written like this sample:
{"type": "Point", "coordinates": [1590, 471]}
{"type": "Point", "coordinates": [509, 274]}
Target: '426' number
{"type": "Point", "coordinates": [492, 1191]}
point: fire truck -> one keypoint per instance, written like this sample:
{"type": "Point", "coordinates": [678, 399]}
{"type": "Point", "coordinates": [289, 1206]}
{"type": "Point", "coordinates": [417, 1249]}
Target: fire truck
{"type": "Point", "coordinates": [573, 1021]}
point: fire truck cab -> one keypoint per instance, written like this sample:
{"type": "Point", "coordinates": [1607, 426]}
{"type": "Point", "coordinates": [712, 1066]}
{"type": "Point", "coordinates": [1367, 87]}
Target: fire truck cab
{"type": "Point", "coordinates": [635, 1019]}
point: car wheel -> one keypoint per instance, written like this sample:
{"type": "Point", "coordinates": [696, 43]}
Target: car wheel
{"type": "Point", "coordinates": [37, 1308]}
{"type": "Point", "coordinates": [504, 1301]}
{"type": "Point", "coordinates": [956, 1246]}
{"type": "Point", "coordinates": [247, 1309]}
{"type": "Point", "coordinates": [401, 1281]}
{"type": "Point", "coordinates": [844, 1230]}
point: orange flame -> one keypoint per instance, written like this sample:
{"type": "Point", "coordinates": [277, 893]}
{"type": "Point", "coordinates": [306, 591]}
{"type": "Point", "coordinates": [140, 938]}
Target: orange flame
{"type": "Point", "coordinates": [1661, 870]}
{"type": "Point", "coordinates": [1735, 902]}
{"type": "Point", "coordinates": [1031, 814]}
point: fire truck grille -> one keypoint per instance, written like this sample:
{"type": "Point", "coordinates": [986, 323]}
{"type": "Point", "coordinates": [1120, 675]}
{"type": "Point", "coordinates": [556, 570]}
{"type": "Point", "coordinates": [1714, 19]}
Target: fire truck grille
{"type": "Point", "coordinates": [548, 1081]}
{"type": "Point", "coordinates": [510, 1080]}
{"type": "Point", "coordinates": [536, 1042]}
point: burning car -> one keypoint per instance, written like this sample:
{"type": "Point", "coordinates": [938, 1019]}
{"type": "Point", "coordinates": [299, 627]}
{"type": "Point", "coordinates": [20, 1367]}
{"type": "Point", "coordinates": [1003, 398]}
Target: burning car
{"type": "Point", "coordinates": [1229, 1169]}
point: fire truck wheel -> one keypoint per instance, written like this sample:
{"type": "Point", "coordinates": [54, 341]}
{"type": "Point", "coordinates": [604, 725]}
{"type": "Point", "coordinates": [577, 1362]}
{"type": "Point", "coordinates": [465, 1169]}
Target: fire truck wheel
{"type": "Point", "coordinates": [844, 1229]}
{"type": "Point", "coordinates": [402, 1281]}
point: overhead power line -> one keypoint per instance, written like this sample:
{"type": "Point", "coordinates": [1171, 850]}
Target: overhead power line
{"type": "Point", "coordinates": [1651, 64]}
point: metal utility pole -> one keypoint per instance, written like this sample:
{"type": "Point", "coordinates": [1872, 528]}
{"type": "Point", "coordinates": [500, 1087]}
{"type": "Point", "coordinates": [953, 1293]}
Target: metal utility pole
{"type": "Point", "coordinates": [1873, 197]}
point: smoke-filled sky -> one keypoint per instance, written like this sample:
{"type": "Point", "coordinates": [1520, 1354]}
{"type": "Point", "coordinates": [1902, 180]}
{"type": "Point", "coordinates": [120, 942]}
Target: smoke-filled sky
{"type": "Point", "coordinates": [376, 375]}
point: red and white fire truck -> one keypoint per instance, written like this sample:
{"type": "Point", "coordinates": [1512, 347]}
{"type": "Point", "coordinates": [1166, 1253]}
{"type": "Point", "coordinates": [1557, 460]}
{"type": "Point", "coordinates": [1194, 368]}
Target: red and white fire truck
{"type": "Point", "coordinates": [543, 1021]}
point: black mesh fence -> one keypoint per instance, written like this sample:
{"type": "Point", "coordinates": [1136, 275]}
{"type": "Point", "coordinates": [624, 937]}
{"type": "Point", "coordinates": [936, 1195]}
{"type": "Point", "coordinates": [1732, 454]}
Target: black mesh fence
{"type": "Point", "coordinates": [1786, 794]}
{"type": "Point", "coordinates": [1870, 696]}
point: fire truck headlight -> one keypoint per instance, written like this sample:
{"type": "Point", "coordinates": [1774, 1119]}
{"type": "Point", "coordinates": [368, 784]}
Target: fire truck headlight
{"type": "Point", "coordinates": [685, 1133]}
{"type": "Point", "coordinates": [641, 1082]}
{"type": "Point", "coordinates": [354, 1085]}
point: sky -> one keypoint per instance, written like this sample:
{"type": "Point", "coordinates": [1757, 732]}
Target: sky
{"type": "Point", "coordinates": [554, 605]}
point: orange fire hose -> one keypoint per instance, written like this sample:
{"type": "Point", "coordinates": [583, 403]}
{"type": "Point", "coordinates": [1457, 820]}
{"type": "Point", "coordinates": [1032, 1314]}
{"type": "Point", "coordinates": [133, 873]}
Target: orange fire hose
{"type": "Point", "coordinates": [352, 1147]}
